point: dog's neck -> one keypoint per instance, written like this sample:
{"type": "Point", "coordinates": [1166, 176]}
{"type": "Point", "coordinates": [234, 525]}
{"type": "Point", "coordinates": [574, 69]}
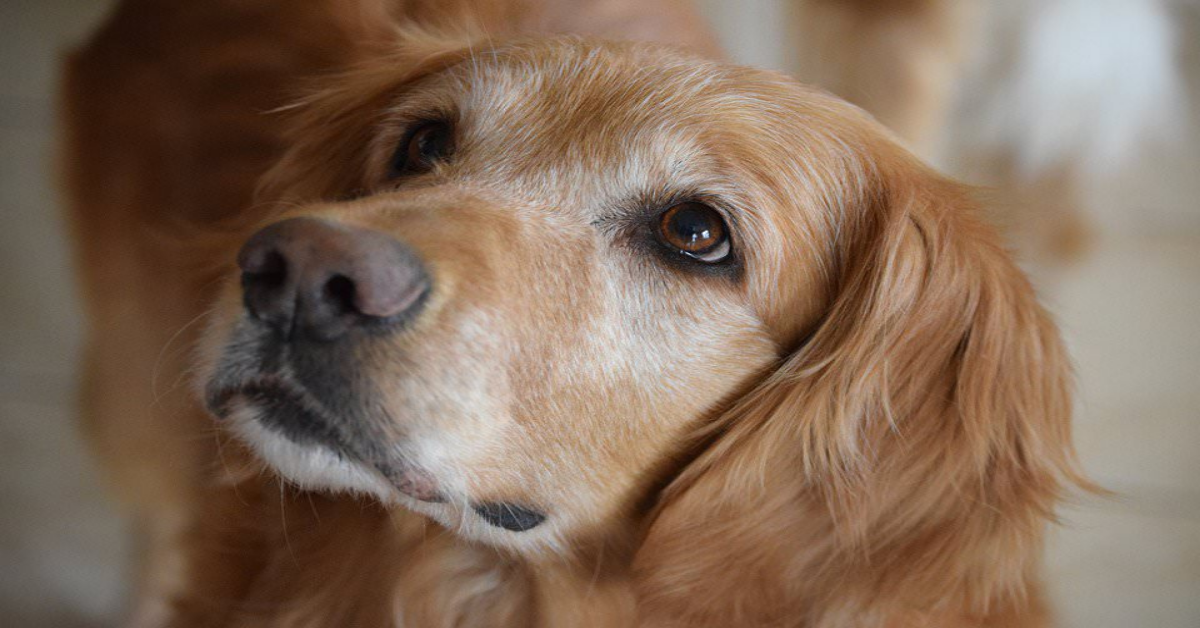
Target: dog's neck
{"type": "Point", "coordinates": [447, 580]}
{"type": "Point", "coordinates": [289, 557]}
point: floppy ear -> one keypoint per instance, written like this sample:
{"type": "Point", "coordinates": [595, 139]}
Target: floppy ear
{"type": "Point", "coordinates": [907, 456]}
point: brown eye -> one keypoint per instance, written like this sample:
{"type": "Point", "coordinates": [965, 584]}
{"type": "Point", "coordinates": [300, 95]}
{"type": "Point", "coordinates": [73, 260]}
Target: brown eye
{"type": "Point", "coordinates": [696, 230]}
{"type": "Point", "coordinates": [424, 146]}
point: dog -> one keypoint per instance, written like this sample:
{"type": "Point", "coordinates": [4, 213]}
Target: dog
{"type": "Point", "coordinates": [512, 324]}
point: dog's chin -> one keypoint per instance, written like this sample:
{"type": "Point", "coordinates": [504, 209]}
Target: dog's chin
{"type": "Point", "coordinates": [308, 466]}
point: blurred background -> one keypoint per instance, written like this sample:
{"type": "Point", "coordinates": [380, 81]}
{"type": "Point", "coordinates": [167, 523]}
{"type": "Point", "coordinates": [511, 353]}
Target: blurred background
{"type": "Point", "coordinates": [1089, 104]}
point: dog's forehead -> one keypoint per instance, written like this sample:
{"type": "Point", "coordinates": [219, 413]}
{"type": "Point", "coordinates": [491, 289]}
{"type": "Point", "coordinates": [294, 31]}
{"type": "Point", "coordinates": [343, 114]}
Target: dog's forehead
{"type": "Point", "coordinates": [594, 77]}
{"type": "Point", "coordinates": [601, 117]}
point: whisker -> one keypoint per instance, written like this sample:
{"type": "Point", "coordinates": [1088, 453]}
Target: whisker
{"type": "Point", "coordinates": [161, 357]}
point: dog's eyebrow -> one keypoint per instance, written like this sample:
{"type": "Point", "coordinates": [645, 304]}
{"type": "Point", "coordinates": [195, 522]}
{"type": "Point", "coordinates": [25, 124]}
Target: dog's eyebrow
{"type": "Point", "coordinates": [637, 205]}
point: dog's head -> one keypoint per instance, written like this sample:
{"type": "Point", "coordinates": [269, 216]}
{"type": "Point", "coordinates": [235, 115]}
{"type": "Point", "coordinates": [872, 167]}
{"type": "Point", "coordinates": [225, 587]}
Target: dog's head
{"type": "Point", "coordinates": [519, 290]}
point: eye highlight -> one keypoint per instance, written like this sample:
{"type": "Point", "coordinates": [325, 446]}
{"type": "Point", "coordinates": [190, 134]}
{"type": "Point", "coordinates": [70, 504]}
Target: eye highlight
{"type": "Point", "coordinates": [695, 230]}
{"type": "Point", "coordinates": [422, 148]}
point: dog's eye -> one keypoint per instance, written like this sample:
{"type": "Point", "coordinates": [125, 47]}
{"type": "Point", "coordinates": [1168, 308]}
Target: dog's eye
{"type": "Point", "coordinates": [425, 145]}
{"type": "Point", "coordinates": [695, 230]}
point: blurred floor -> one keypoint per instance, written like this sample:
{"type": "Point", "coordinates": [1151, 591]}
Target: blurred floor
{"type": "Point", "coordinates": [1129, 311]}
{"type": "Point", "coordinates": [1130, 314]}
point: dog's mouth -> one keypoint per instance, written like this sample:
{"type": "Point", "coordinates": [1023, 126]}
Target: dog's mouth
{"type": "Point", "coordinates": [284, 407]}
{"type": "Point", "coordinates": [263, 383]}
{"type": "Point", "coordinates": [271, 395]}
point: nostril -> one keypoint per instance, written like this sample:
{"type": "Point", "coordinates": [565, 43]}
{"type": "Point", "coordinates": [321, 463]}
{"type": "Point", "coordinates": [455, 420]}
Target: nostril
{"type": "Point", "coordinates": [341, 292]}
{"type": "Point", "coordinates": [268, 270]}
{"type": "Point", "coordinates": [264, 285]}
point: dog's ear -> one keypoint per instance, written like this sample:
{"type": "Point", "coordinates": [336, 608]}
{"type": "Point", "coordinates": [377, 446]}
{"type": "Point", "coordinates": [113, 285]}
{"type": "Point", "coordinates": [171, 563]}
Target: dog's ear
{"type": "Point", "coordinates": [333, 129]}
{"type": "Point", "coordinates": [912, 449]}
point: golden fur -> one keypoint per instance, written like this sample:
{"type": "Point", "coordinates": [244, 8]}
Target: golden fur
{"type": "Point", "coordinates": [866, 425]}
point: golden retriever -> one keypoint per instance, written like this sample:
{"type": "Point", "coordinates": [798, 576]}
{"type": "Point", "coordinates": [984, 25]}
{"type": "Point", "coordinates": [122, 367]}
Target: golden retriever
{"type": "Point", "coordinates": [542, 330]}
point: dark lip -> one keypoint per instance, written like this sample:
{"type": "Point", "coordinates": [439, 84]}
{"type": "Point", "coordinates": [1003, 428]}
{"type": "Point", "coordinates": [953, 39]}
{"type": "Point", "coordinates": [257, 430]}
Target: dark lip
{"type": "Point", "coordinates": [292, 412]}
{"type": "Point", "coordinates": [287, 408]}
{"type": "Point", "coordinates": [510, 516]}
{"type": "Point", "coordinates": [219, 398]}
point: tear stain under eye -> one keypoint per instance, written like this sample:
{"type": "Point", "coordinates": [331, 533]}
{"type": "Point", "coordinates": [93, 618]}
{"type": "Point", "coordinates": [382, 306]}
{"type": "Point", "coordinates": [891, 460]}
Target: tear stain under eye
{"type": "Point", "coordinates": [509, 516]}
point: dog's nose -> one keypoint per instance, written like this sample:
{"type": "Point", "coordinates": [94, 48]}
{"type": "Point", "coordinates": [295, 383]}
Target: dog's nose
{"type": "Point", "coordinates": [315, 279]}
